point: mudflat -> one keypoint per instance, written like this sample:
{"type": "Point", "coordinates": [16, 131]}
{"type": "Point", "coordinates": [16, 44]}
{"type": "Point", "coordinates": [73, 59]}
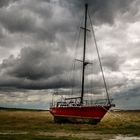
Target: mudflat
{"type": "Point", "coordinates": [39, 125]}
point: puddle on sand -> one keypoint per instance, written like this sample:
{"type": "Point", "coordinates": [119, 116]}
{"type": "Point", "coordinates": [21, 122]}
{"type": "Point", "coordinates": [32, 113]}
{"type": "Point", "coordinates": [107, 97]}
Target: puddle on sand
{"type": "Point", "coordinates": [120, 137]}
{"type": "Point", "coordinates": [13, 133]}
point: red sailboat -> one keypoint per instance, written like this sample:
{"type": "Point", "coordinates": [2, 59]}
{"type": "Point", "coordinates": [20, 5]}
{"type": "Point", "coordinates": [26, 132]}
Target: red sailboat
{"type": "Point", "coordinates": [77, 109]}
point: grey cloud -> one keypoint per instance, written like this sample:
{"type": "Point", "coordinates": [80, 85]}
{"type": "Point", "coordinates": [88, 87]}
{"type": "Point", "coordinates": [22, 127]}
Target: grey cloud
{"type": "Point", "coordinates": [1, 32]}
{"type": "Point", "coordinates": [45, 31]}
{"type": "Point", "coordinates": [4, 3]}
{"type": "Point", "coordinates": [128, 93]}
{"type": "Point", "coordinates": [33, 98]}
{"type": "Point", "coordinates": [35, 64]}
{"type": "Point", "coordinates": [24, 16]}
{"type": "Point", "coordinates": [40, 68]}
{"type": "Point", "coordinates": [18, 84]}
{"type": "Point", "coordinates": [17, 21]}
{"type": "Point", "coordinates": [41, 20]}
{"type": "Point", "coordinates": [103, 11]}
{"type": "Point", "coordinates": [112, 62]}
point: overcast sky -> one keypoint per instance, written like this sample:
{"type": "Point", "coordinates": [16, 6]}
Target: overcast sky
{"type": "Point", "coordinates": [37, 47]}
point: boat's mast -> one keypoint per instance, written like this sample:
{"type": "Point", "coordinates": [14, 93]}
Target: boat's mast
{"type": "Point", "coordinates": [84, 51]}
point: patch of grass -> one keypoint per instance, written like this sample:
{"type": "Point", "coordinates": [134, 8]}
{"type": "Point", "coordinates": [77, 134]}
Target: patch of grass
{"type": "Point", "coordinates": [27, 137]}
{"type": "Point", "coordinates": [40, 125]}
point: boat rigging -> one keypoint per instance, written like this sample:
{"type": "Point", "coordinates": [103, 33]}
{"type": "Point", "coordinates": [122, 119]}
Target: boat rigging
{"type": "Point", "coordinates": [76, 108]}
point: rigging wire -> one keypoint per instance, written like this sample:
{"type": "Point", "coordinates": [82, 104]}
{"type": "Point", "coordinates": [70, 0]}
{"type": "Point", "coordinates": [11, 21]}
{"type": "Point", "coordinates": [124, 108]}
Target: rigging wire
{"type": "Point", "coordinates": [100, 63]}
{"type": "Point", "coordinates": [90, 69]}
{"type": "Point", "coordinates": [75, 54]}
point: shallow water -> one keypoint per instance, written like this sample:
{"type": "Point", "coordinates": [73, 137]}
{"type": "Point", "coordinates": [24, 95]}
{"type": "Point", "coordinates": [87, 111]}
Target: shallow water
{"type": "Point", "coordinates": [120, 137]}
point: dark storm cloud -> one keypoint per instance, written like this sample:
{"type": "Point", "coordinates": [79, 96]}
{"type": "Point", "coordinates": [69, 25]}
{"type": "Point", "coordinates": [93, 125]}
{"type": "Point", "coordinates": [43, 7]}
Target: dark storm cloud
{"type": "Point", "coordinates": [16, 22]}
{"type": "Point", "coordinates": [104, 11]}
{"type": "Point", "coordinates": [1, 32]}
{"type": "Point", "coordinates": [28, 18]}
{"type": "Point", "coordinates": [36, 48]}
{"type": "Point", "coordinates": [20, 18]}
{"type": "Point", "coordinates": [35, 64]}
{"type": "Point", "coordinates": [112, 62]}
{"type": "Point", "coordinates": [24, 16]}
{"type": "Point", "coordinates": [40, 18]}
{"type": "Point", "coordinates": [44, 22]}
{"type": "Point", "coordinates": [129, 93]}
{"type": "Point", "coordinates": [4, 3]}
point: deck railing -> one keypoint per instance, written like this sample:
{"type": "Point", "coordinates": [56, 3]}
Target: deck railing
{"type": "Point", "coordinates": [72, 102]}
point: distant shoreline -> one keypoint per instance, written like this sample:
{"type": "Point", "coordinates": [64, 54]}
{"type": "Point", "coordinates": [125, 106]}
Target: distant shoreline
{"type": "Point", "coordinates": [22, 109]}
{"type": "Point", "coordinates": [28, 109]}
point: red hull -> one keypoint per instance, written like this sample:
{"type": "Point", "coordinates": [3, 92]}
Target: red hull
{"type": "Point", "coordinates": [82, 112]}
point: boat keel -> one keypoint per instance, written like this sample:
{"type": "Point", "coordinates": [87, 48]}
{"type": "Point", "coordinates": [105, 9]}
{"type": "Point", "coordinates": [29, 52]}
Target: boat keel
{"type": "Point", "coordinates": [61, 119]}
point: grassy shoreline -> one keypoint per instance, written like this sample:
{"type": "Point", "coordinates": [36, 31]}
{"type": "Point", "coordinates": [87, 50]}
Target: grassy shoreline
{"type": "Point", "coordinates": [30, 125]}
